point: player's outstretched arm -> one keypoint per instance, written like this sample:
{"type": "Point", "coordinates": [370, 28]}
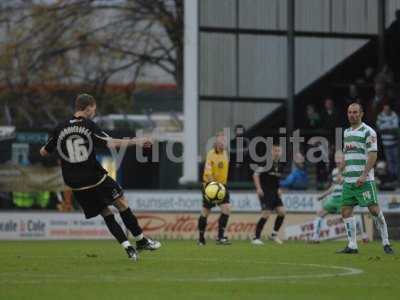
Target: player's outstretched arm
{"type": "Point", "coordinates": [139, 141]}
{"type": "Point", "coordinates": [326, 193]}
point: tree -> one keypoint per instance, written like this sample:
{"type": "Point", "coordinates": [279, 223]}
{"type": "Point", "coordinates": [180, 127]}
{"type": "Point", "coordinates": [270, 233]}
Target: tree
{"type": "Point", "coordinates": [86, 41]}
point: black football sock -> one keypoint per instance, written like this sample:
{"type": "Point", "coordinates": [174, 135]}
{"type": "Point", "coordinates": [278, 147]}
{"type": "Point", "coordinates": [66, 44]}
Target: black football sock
{"type": "Point", "coordinates": [131, 223]}
{"type": "Point", "coordinates": [260, 226]}
{"type": "Point", "coordinates": [222, 221]}
{"type": "Point", "coordinates": [278, 223]}
{"type": "Point", "coordinates": [115, 229]}
{"type": "Point", "coordinates": [202, 226]}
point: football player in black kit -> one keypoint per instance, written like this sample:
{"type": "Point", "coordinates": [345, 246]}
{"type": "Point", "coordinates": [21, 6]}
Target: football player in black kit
{"type": "Point", "coordinates": [75, 141]}
{"type": "Point", "coordinates": [266, 180]}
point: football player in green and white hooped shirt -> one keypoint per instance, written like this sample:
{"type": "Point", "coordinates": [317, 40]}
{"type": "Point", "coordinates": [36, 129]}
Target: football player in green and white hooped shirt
{"type": "Point", "coordinates": [360, 153]}
{"type": "Point", "coordinates": [333, 204]}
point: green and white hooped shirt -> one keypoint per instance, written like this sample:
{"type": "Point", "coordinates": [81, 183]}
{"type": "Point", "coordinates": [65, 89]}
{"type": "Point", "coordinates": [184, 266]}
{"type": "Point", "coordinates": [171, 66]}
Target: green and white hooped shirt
{"type": "Point", "coordinates": [357, 143]}
{"type": "Point", "coordinates": [338, 187]}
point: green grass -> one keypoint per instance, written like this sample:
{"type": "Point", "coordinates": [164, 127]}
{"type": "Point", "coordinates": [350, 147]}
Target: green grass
{"type": "Point", "coordinates": [182, 270]}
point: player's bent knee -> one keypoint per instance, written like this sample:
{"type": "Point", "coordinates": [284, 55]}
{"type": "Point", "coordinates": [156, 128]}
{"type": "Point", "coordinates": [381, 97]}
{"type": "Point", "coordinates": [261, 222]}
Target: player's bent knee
{"type": "Point", "coordinates": [106, 212]}
{"type": "Point", "coordinates": [280, 211]}
{"type": "Point", "coordinates": [347, 211]}
{"type": "Point", "coordinates": [374, 210]}
{"type": "Point", "coordinates": [121, 204]}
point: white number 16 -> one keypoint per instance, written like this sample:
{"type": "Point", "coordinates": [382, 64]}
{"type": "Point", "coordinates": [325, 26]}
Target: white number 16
{"type": "Point", "coordinates": [77, 150]}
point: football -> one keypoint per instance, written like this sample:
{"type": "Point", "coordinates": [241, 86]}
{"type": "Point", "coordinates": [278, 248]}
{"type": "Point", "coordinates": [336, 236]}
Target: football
{"type": "Point", "coordinates": [215, 192]}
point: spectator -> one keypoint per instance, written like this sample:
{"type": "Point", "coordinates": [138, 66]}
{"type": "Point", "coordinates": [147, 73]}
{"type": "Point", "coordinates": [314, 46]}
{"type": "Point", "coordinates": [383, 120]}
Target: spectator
{"type": "Point", "coordinates": [386, 76]}
{"type": "Point", "coordinates": [313, 119]}
{"type": "Point", "coordinates": [394, 99]}
{"type": "Point", "coordinates": [367, 78]}
{"type": "Point", "coordinates": [353, 96]}
{"type": "Point", "coordinates": [388, 125]}
{"type": "Point", "coordinates": [369, 75]}
{"type": "Point", "coordinates": [383, 179]}
{"type": "Point", "coordinates": [298, 178]}
{"type": "Point", "coordinates": [380, 94]}
{"type": "Point", "coordinates": [329, 115]}
{"type": "Point", "coordinates": [375, 105]}
{"type": "Point", "coordinates": [322, 166]}
{"type": "Point", "coordinates": [393, 46]}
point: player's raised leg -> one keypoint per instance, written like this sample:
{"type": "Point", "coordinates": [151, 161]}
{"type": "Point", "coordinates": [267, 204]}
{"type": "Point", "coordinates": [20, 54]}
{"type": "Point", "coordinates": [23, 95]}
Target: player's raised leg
{"type": "Point", "coordinates": [92, 187]}
{"type": "Point", "coordinates": [330, 206]}
{"type": "Point", "coordinates": [380, 222]}
{"type": "Point", "coordinates": [317, 224]}
{"type": "Point", "coordinates": [333, 204]}
{"type": "Point", "coordinates": [202, 225]}
{"type": "Point", "coordinates": [222, 222]}
{"type": "Point", "coordinates": [131, 223]}
{"type": "Point", "coordinates": [116, 230]}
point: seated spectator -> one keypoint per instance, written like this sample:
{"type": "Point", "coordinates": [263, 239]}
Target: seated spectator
{"type": "Point", "coordinates": [388, 126]}
{"type": "Point", "coordinates": [383, 178]}
{"type": "Point", "coordinates": [375, 105]}
{"type": "Point", "coordinates": [353, 96]}
{"type": "Point", "coordinates": [313, 119]}
{"type": "Point", "coordinates": [329, 115]}
{"type": "Point", "coordinates": [385, 76]}
{"type": "Point", "coordinates": [322, 166]}
{"type": "Point", "coordinates": [393, 96]}
{"type": "Point", "coordinates": [367, 78]}
{"type": "Point", "coordinates": [298, 178]}
{"type": "Point", "coordinates": [392, 46]}
{"type": "Point", "coordinates": [369, 75]}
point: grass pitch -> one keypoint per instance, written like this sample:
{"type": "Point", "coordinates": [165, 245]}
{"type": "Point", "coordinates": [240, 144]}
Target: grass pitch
{"type": "Point", "coordinates": [182, 270]}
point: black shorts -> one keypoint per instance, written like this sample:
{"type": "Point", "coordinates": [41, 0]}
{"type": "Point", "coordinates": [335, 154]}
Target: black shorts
{"type": "Point", "coordinates": [208, 204]}
{"type": "Point", "coordinates": [270, 200]}
{"type": "Point", "coordinates": [94, 200]}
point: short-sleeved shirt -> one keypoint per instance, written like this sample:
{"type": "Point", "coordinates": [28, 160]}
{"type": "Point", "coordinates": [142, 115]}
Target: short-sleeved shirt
{"type": "Point", "coordinates": [75, 141]}
{"type": "Point", "coordinates": [358, 143]}
{"type": "Point", "coordinates": [270, 176]}
{"type": "Point", "coordinates": [217, 166]}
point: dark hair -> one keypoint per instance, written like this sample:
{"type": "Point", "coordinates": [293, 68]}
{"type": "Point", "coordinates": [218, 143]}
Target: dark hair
{"type": "Point", "coordinates": [239, 130]}
{"type": "Point", "coordinates": [84, 100]}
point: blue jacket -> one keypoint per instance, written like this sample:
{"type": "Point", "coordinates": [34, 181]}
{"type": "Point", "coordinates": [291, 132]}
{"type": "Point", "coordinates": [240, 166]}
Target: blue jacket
{"type": "Point", "coordinates": [297, 179]}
